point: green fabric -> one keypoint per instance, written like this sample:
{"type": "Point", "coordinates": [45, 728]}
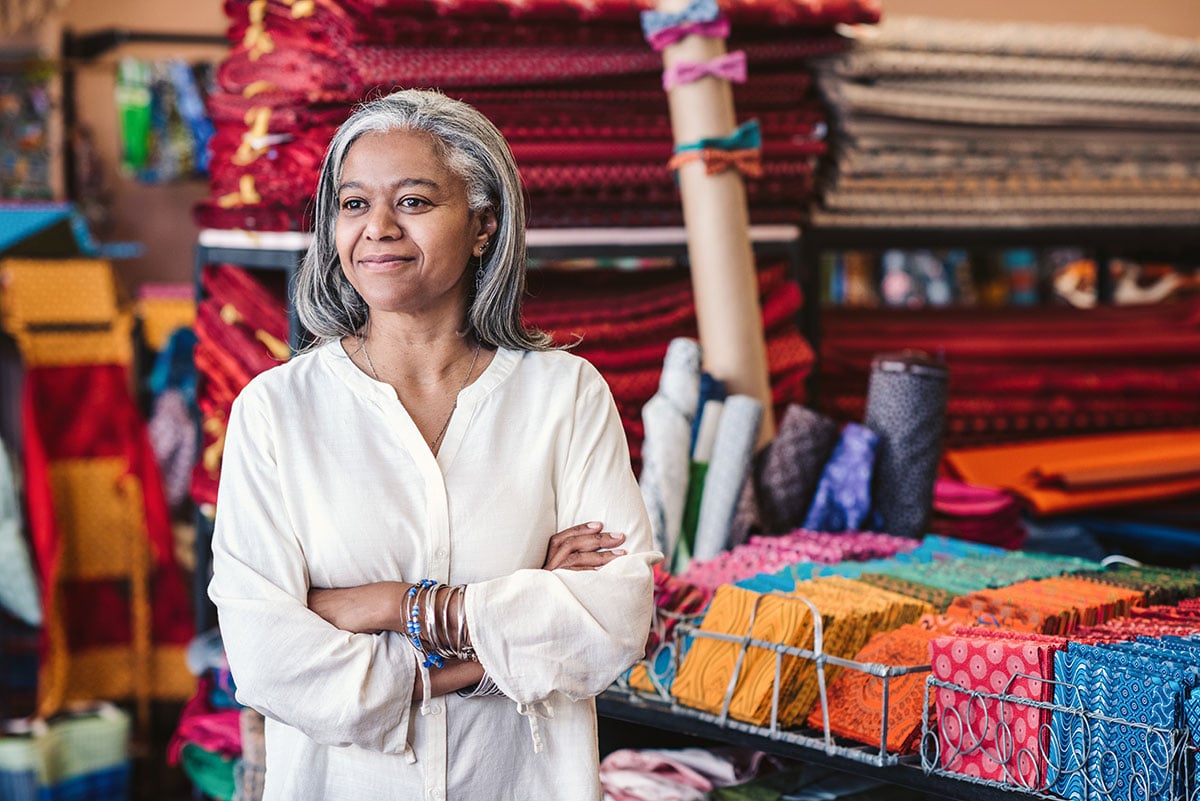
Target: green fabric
{"type": "Point", "coordinates": [691, 517]}
{"type": "Point", "coordinates": [134, 105]}
{"type": "Point", "coordinates": [773, 786]}
{"type": "Point", "coordinates": [70, 746]}
{"type": "Point", "coordinates": [210, 772]}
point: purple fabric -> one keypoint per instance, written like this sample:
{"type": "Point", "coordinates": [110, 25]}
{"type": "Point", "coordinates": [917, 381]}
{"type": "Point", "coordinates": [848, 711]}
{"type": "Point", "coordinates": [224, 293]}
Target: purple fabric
{"type": "Point", "coordinates": [843, 498]}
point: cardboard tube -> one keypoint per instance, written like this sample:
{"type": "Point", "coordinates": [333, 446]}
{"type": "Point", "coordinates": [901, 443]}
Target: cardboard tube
{"type": "Point", "coordinates": [724, 281]}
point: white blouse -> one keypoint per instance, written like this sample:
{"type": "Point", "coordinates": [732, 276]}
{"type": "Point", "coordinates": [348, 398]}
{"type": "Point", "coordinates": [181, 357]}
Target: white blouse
{"type": "Point", "coordinates": [327, 482]}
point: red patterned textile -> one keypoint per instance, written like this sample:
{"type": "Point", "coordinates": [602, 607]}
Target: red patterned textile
{"type": "Point", "coordinates": [1021, 374]}
{"type": "Point", "coordinates": [624, 321]}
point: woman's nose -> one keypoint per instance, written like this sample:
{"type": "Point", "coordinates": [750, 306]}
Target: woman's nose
{"type": "Point", "coordinates": [382, 223]}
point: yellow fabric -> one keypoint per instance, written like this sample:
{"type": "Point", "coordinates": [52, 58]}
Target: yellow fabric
{"type": "Point", "coordinates": [162, 317]}
{"type": "Point", "coordinates": [41, 292]}
{"type": "Point", "coordinates": [67, 348]}
{"type": "Point", "coordinates": [109, 673]}
{"type": "Point", "coordinates": [850, 613]}
{"type": "Point", "coordinates": [100, 510]}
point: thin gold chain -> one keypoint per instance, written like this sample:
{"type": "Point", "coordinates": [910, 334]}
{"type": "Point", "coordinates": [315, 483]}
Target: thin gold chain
{"type": "Point", "coordinates": [433, 446]}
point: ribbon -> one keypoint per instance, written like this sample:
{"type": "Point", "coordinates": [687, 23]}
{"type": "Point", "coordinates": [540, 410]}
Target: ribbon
{"type": "Point", "coordinates": [717, 29]}
{"type": "Point", "coordinates": [747, 161]}
{"type": "Point", "coordinates": [731, 67]}
{"type": "Point", "coordinates": [748, 136]}
{"type": "Point", "coordinates": [247, 195]}
{"type": "Point", "coordinates": [695, 11]}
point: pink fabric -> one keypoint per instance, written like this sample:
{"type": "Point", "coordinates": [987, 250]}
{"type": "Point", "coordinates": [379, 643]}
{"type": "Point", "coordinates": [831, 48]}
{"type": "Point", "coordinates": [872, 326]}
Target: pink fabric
{"type": "Point", "coordinates": [986, 737]}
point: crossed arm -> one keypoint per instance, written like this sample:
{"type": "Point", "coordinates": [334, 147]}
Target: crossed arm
{"type": "Point", "coordinates": [377, 607]}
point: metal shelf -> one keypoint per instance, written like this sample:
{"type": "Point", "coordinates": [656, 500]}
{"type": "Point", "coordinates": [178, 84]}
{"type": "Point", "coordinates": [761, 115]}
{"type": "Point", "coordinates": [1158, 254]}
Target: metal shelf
{"type": "Point", "coordinates": [619, 705]}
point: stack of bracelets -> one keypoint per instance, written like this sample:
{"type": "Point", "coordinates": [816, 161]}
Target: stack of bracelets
{"type": "Point", "coordinates": [431, 632]}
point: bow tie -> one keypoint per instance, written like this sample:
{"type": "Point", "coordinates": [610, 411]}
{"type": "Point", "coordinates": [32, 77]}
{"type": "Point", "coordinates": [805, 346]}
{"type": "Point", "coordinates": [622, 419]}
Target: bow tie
{"type": "Point", "coordinates": [661, 39]}
{"type": "Point", "coordinates": [731, 67]}
{"type": "Point", "coordinates": [696, 11]}
{"type": "Point", "coordinates": [747, 161]}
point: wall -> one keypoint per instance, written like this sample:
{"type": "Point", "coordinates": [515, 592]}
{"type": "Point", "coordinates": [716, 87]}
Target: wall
{"type": "Point", "coordinates": [1174, 17]}
{"type": "Point", "coordinates": [160, 216]}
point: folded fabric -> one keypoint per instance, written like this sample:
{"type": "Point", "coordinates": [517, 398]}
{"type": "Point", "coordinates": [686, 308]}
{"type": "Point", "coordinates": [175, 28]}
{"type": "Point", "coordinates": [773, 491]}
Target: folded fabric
{"type": "Point", "coordinates": [1014, 467]}
{"type": "Point", "coordinates": [1132, 465]}
{"type": "Point", "coordinates": [843, 497]}
{"type": "Point", "coordinates": [856, 701]}
{"type": "Point", "coordinates": [999, 739]}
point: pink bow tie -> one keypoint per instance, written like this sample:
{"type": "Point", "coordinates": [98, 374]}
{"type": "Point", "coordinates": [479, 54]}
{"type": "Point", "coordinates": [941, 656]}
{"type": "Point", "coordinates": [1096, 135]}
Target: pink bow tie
{"type": "Point", "coordinates": [717, 29]}
{"type": "Point", "coordinates": [731, 67]}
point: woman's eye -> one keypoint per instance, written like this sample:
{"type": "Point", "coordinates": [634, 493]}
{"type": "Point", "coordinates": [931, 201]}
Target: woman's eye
{"type": "Point", "coordinates": [353, 204]}
{"type": "Point", "coordinates": [413, 203]}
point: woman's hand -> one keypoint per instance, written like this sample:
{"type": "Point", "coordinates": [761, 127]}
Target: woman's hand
{"type": "Point", "coordinates": [581, 548]}
{"type": "Point", "coordinates": [366, 609]}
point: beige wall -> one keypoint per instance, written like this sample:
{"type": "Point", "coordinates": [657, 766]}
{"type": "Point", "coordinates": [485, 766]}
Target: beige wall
{"type": "Point", "coordinates": [160, 216]}
{"type": "Point", "coordinates": [1174, 17]}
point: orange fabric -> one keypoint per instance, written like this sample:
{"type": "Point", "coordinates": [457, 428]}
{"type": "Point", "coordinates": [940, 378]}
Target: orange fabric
{"type": "Point", "coordinates": [1123, 467]}
{"type": "Point", "coordinates": [1018, 467]}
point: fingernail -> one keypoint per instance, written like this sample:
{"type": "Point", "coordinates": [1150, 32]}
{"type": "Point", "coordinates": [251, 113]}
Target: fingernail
{"type": "Point", "coordinates": [619, 536]}
{"type": "Point", "coordinates": [619, 552]}
{"type": "Point", "coordinates": [595, 525]}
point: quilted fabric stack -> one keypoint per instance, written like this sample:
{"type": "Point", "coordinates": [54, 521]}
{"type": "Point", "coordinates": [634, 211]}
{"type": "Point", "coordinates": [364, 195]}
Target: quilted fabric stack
{"type": "Point", "coordinates": [572, 85]}
{"type": "Point", "coordinates": [978, 124]}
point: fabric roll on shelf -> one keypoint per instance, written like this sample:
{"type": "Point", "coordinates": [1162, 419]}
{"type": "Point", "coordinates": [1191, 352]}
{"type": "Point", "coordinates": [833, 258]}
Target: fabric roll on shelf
{"type": "Point", "coordinates": [733, 451]}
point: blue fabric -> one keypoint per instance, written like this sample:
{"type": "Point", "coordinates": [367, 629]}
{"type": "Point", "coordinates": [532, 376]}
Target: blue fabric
{"type": "Point", "coordinates": [110, 784]}
{"type": "Point", "coordinates": [711, 388]}
{"type": "Point", "coordinates": [843, 498]}
{"type": "Point", "coordinates": [695, 11]}
{"type": "Point", "coordinates": [19, 221]}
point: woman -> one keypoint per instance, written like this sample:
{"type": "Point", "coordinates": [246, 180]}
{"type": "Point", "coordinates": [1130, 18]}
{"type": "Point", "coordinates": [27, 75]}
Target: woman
{"type": "Point", "coordinates": [428, 439]}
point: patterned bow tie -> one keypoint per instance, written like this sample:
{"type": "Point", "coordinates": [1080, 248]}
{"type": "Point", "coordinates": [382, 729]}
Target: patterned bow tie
{"type": "Point", "coordinates": [717, 29]}
{"type": "Point", "coordinates": [731, 67]}
{"type": "Point", "coordinates": [696, 11]}
{"type": "Point", "coordinates": [747, 161]}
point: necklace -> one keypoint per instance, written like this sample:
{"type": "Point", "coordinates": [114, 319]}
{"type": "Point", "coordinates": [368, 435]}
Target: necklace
{"type": "Point", "coordinates": [433, 445]}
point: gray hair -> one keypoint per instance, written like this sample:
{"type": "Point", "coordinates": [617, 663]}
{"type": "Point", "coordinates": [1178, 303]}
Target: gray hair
{"type": "Point", "coordinates": [330, 308]}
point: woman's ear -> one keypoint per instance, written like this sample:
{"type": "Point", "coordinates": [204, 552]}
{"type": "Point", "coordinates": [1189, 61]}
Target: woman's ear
{"type": "Point", "coordinates": [488, 225]}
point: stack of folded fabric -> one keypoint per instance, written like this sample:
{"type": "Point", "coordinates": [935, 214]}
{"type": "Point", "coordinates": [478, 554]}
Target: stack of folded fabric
{"type": "Point", "coordinates": [241, 330]}
{"type": "Point", "coordinates": [978, 124]}
{"type": "Point", "coordinates": [1030, 375]}
{"type": "Point", "coordinates": [1057, 605]}
{"type": "Point", "coordinates": [1085, 472]}
{"type": "Point", "coordinates": [997, 739]}
{"type": "Point", "coordinates": [981, 514]}
{"type": "Point", "coordinates": [1140, 722]}
{"type": "Point", "coordinates": [771, 554]}
{"type": "Point", "coordinates": [720, 676]}
{"type": "Point", "coordinates": [573, 86]}
{"type": "Point", "coordinates": [116, 616]}
{"type": "Point", "coordinates": [962, 576]}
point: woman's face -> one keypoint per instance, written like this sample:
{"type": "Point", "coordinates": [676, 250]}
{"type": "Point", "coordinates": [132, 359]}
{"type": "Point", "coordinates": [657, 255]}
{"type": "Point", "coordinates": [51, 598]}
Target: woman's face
{"type": "Point", "coordinates": [404, 231]}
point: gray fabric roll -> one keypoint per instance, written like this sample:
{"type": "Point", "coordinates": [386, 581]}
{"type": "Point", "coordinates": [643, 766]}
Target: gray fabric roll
{"type": "Point", "coordinates": [666, 446]}
{"type": "Point", "coordinates": [727, 470]}
{"type": "Point", "coordinates": [906, 407]}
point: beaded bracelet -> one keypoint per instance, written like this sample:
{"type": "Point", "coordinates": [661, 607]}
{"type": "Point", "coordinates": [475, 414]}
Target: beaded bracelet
{"type": "Point", "coordinates": [415, 593]}
{"type": "Point", "coordinates": [429, 628]}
